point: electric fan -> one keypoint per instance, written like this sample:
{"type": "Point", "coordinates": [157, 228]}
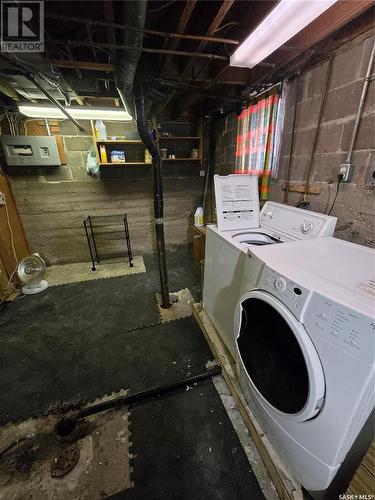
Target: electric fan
{"type": "Point", "coordinates": [31, 271]}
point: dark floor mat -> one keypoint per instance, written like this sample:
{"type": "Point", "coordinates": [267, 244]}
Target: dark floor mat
{"type": "Point", "coordinates": [88, 309]}
{"type": "Point", "coordinates": [185, 447]}
{"type": "Point", "coordinates": [42, 371]}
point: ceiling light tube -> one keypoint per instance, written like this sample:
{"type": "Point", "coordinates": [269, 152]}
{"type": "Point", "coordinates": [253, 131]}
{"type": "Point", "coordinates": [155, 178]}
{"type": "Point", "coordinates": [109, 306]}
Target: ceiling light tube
{"type": "Point", "coordinates": [282, 23]}
{"type": "Point", "coordinates": [77, 112]}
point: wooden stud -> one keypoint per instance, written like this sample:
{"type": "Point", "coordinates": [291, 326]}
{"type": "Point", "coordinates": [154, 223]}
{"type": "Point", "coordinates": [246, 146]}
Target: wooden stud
{"type": "Point", "coordinates": [299, 187]}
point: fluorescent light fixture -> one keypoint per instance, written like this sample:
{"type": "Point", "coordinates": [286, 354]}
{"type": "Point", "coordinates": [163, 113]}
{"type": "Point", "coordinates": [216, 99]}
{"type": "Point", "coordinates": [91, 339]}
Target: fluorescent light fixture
{"type": "Point", "coordinates": [77, 112]}
{"type": "Point", "coordinates": [282, 23]}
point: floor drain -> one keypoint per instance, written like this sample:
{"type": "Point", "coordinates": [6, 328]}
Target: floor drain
{"type": "Point", "coordinates": [63, 463]}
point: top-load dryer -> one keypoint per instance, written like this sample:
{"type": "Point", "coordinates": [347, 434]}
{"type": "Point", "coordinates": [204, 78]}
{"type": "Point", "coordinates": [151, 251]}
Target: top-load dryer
{"type": "Point", "coordinates": [227, 266]}
{"type": "Point", "coordinates": [305, 353]}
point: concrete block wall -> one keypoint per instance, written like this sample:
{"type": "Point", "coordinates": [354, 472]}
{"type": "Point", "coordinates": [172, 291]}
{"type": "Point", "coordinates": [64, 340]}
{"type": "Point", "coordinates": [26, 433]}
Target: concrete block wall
{"type": "Point", "coordinates": [354, 207]}
{"type": "Point", "coordinates": [53, 201]}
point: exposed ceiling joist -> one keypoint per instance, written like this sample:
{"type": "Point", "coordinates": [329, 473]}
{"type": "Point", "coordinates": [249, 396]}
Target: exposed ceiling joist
{"type": "Point", "coordinates": [215, 24]}
{"type": "Point", "coordinates": [182, 25]}
{"type": "Point", "coordinates": [186, 15]}
{"type": "Point", "coordinates": [93, 66]}
{"type": "Point", "coordinates": [163, 34]}
{"type": "Point", "coordinates": [109, 17]}
{"type": "Point", "coordinates": [148, 50]}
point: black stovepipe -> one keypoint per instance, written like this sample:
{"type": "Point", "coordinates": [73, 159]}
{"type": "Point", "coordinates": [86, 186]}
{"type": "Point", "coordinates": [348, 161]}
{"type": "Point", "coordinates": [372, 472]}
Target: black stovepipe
{"type": "Point", "coordinates": [147, 139]}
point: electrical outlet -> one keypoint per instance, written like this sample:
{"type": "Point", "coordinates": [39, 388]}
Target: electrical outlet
{"type": "Point", "coordinates": [346, 170]}
{"type": "Point", "coordinates": [2, 198]}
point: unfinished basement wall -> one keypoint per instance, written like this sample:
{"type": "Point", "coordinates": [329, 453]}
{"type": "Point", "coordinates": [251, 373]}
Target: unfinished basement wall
{"type": "Point", "coordinates": [354, 207]}
{"type": "Point", "coordinates": [54, 201]}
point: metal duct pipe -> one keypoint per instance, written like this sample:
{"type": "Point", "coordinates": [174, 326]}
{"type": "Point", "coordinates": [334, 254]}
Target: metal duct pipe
{"type": "Point", "coordinates": [360, 106]}
{"type": "Point", "coordinates": [52, 99]}
{"type": "Point", "coordinates": [147, 139]}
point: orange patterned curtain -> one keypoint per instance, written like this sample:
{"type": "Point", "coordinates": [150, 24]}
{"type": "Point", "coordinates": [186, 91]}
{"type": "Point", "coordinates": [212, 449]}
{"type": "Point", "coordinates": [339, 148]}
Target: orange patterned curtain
{"type": "Point", "coordinates": [256, 135]}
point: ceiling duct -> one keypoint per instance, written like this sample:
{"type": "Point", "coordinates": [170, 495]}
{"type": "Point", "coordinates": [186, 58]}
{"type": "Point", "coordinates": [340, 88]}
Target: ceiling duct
{"type": "Point", "coordinates": [125, 65]}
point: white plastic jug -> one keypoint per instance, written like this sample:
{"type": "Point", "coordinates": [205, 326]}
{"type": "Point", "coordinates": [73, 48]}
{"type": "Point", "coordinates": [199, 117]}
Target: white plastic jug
{"type": "Point", "coordinates": [198, 217]}
{"type": "Point", "coordinates": [100, 131]}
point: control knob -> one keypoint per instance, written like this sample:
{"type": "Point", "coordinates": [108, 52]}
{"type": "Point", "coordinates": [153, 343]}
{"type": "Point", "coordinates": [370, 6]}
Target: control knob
{"type": "Point", "coordinates": [279, 284]}
{"type": "Point", "coordinates": [306, 227]}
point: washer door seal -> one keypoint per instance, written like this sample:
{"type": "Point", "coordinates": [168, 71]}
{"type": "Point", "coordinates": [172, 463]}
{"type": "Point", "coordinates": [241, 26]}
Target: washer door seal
{"type": "Point", "coordinates": [280, 361]}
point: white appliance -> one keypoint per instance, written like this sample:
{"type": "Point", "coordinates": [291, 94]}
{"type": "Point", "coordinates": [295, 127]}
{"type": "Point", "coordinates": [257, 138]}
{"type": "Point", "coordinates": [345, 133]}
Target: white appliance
{"type": "Point", "coordinates": [305, 351]}
{"type": "Point", "coordinates": [227, 266]}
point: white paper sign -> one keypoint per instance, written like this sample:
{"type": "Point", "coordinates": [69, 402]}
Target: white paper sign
{"type": "Point", "coordinates": [237, 201]}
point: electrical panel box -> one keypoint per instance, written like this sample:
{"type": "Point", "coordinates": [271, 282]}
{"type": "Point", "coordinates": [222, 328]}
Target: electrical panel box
{"type": "Point", "coordinates": [29, 150]}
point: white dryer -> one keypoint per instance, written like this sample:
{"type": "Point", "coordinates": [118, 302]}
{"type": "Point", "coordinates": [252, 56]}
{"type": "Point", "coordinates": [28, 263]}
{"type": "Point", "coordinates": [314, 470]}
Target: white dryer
{"type": "Point", "coordinates": [305, 351]}
{"type": "Point", "coordinates": [227, 267]}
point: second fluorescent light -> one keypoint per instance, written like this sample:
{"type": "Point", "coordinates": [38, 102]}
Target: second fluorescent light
{"type": "Point", "coordinates": [77, 112]}
{"type": "Point", "coordinates": [283, 23]}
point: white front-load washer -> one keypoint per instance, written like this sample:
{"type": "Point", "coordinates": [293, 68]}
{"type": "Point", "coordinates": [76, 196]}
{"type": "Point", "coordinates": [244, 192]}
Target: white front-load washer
{"type": "Point", "coordinates": [228, 270]}
{"type": "Point", "coordinates": [305, 351]}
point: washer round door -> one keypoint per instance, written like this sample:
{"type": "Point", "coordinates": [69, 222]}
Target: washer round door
{"type": "Point", "coordinates": [279, 358]}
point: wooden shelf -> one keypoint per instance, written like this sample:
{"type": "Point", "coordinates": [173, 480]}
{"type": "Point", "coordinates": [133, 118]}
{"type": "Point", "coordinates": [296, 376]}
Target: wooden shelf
{"type": "Point", "coordinates": [181, 159]}
{"type": "Point", "coordinates": [180, 138]}
{"type": "Point", "coordinates": [124, 164]}
{"type": "Point", "coordinates": [129, 141]}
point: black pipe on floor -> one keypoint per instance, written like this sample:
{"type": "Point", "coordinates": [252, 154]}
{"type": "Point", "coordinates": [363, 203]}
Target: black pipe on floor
{"type": "Point", "coordinates": [68, 423]}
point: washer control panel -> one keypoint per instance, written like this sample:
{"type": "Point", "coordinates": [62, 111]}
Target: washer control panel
{"type": "Point", "coordinates": [296, 222]}
{"type": "Point", "coordinates": [351, 331]}
{"type": "Point", "coordinates": [287, 291]}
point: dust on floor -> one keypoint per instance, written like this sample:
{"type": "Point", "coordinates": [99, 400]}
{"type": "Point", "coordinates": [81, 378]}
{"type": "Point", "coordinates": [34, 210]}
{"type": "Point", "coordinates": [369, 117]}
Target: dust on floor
{"type": "Point", "coordinates": [33, 451]}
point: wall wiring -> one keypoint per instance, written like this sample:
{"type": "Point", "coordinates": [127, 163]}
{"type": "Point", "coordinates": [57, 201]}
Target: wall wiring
{"type": "Point", "coordinates": [339, 179]}
{"type": "Point", "coordinates": [3, 203]}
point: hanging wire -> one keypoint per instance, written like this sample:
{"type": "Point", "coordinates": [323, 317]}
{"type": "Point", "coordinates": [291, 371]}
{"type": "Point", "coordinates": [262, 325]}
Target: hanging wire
{"type": "Point", "coordinates": [162, 7]}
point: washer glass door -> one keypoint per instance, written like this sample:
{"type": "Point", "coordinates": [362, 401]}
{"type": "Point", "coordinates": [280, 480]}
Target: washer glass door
{"type": "Point", "coordinates": [279, 358]}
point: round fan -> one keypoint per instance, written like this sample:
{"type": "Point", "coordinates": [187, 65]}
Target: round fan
{"type": "Point", "coordinates": [31, 271]}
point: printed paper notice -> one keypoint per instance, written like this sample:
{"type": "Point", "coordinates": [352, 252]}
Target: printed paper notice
{"type": "Point", "coordinates": [237, 201]}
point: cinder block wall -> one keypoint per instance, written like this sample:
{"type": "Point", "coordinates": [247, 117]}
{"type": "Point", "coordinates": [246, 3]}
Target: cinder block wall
{"type": "Point", "coordinates": [354, 207]}
{"type": "Point", "coordinates": [54, 201]}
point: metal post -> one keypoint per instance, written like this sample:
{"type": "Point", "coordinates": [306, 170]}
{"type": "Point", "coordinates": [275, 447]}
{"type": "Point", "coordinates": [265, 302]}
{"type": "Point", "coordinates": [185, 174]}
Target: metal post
{"type": "Point", "coordinates": [93, 240]}
{"type": "Point", "coordinates": [89, 244]}
{"type": "Point", "coordinates": [127, 237]}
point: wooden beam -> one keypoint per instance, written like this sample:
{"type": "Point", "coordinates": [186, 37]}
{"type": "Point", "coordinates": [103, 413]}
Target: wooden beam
{"type": "Point", "coordinates": [163, 34]}
{"type": "Point", "coordinates": [111, 34]}
{"type": "Point", "coordinates": [186, 15]}
{"type": "Point", "coordinates": [183, 53]}
{"type": "Point", "coordinates": [222, 12]}
{"type": "Point", "coordinates": [185, 18]}
{"type": "Point", "coordinates": [87, 65]}
{"type": "Point", "coordinates": [93, 66]}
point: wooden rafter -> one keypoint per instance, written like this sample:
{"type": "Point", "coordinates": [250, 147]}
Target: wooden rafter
{"type": "Point", "coordinates": [185, 18]}
{"type": "Point", "coordinates": [186, 15]}
{"type": "Point", "coordinates": [215, 24]}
